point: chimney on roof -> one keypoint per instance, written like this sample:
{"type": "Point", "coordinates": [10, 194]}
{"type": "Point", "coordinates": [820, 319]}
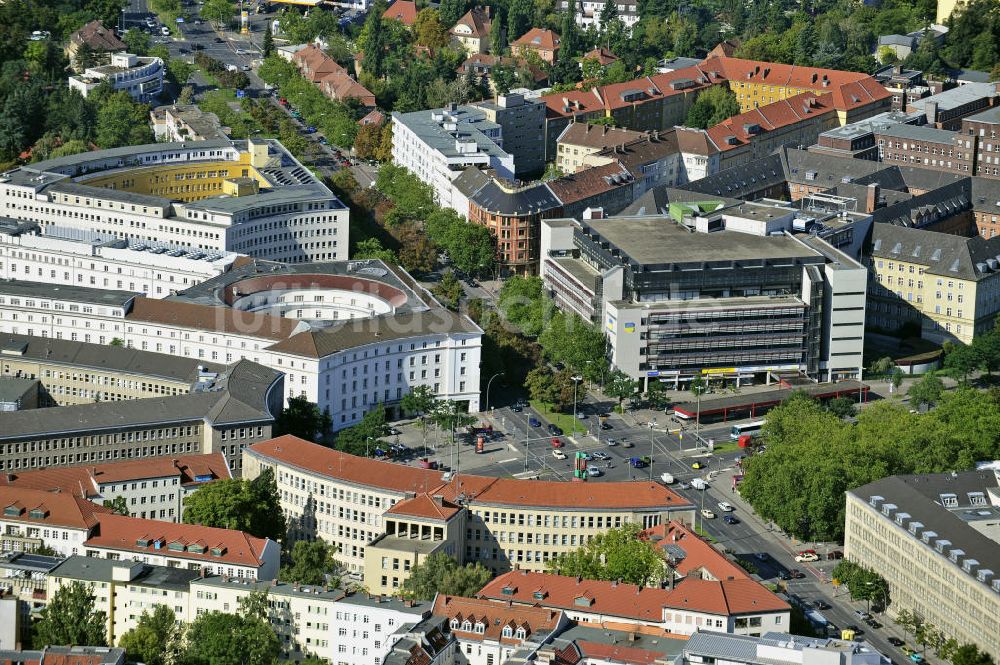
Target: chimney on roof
{"type": "Point", "coordinates": [579, 579]}
{"type": "Point", "coordinates": [438, 499]}
{"type": "Point", "coordinates": [814, 77]}
{"type": "Point", "coordinates": [931, 111]}
{"type": "Point", "coordinates": [202, 574]}
{"type": "Point", "coordinates": [871, 197]}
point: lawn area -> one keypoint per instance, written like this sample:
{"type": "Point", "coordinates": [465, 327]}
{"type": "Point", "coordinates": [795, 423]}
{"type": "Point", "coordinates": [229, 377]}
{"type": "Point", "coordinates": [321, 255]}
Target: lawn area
{"type": "Point", "coordinates": [563, 420]}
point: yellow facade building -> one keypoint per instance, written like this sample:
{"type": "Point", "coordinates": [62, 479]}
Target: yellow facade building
{"type": "Point", "coordinates": [948, 284]}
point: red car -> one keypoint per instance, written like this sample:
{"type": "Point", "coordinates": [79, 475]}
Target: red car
{"type": "Point", "coordinates": [557, 442]}
{"type": "Point", "coordinates": [807, 552]}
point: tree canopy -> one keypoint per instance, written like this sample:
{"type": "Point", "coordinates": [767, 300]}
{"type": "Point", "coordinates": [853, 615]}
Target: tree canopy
{"type": "Point", "coordinates": [303, 419]}
{"type": "Point", "coordinates": [439, 573]}
{"type": "Point", "coordinates": [217, 638]}
{"type": "Point", "coordinates": [152, 637]}
{"type": "Point", "coordinates": [618, 554]}
{"type": "Point", "coordinates": [309, 562]}
{"type": "Point", "coordinates": [813, 456]}
{"type": "Point", "coordinates": [252, 506]}
{"type": "Point", "coordinates": [712, 106]}
{"type": "Point", "coordinates": [70, 618]}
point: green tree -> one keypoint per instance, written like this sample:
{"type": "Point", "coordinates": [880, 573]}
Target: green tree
{"type": "Point", "coordinates": [963, 360]}
{"type": "Point", "coordinates": [136, 41]}
{"type": "Point", "coordinates": [498, 36]}
{"type": "Point", "coordinates": [303, 419]}
{"type": "Point", "coordinates": [417, 253]}
{"type": "Point", "coordinates": [618, 554]}
{"type": "Point", "coordinates": [216, 638]}
{"type": "Point", "coordinates": [122, 122]}
{"type": "Point", "coordinates": [656, 394]}
{"type": "Point", "coordinates": [927, 391]}
{"type": "Point", "coordinates": [609, 12]}
{"type": "Point", "coordinates": [576, 343]}
{"type": "Point", "coordinates": [541, 385]}
{"type": "Point", "coordinates": [621, 386]}
{"type": "Point", "coordinates": [267, 45]}
{"type": "Point", "coordinates": [449, 290]}
{"type": "Point", "coordinates": [712, 106]}
{"type": "Point", "coordinates": [883, 366]}
{"type": "Point", "coordinates": [805, 45]}
{"type": "Point", "coordinates": [219, 12]}
{"type": "Point", "coordinates": [451, 11]}
{"type": "Point", "coordinates": [419, 402]}
{"type": "Point", "coordinates": [429, 29]}
{"type": "Point", "coordinates": [842, 407]}
{"type": "Point", "coordinates": [150, 639]}
{"type": "Point", "coordinates": [863, 583]}
{"type": "Point", "coordinates": [362, 438]}
{"type": "Point", "coordinates": [969, 654]}
{"type": "Point", "coordinates": [450, 415]}
{"type": "Point", "coordinates": [310, 562]}
{"type": "Point", "coordinates": [119, 505]}
{"type": "Point", "coordinates": [70, 618]}
{"type": "Point", "coordinates": [252, 506]}
{"type": "Point", "coordinates": [439, 573]}
{"type": "Point", "coordinates": [373, 41]}
{"type": "Point", "coordinates": [371, 248]}
{"type": "Point", "coordinates": [523, 302]}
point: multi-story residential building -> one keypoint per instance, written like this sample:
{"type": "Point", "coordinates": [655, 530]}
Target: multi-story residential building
{"type": "Point", "coordinates": [140, 76]}
{"type": "Point", "coordinates": [82, 373]}
{"type": "Point", "coordinates": [947, 283]}
{"type": "Point", "coordinates": [437, 145]}
{"type": "Point", "coordinates": [251, 197]}
{"type": "Point", "coordinates": [794, 121]}
{"type": "Point", "coordinates": [580, 139]}
{"type": "Point", "coordinates": [347, 501]}
{"type": "Point", "coordinates": [95, 38]}
{"type": "Point", "coordinates": [740, 606]}
{"type": "Point", "coordinates": [986, 206]}
{"type": "Point", "coordinates": [778, 297]}
{"type": "Point", "coordinates": [946, 109]}
{"type": "Point", "coordinates": [185, 122]}
{"type": "Point", "coordinates": [472, 32]}
{"type": "Point", "coordinates": [540, 42]}
{"type": "Point", "coordinates": [925, 146]}
{"type": "Point", "coordinates": [653, 161]}
{"type": "Point", "coordinates": [775, 648]}
{"type": "Point", "coordinates": [78, 258]}
{"type": "Point", "coordinates": [332, 79]}
{"type": "Point", "coordinates": [984, 128]}
{"type": "Point", "coordinates": [934, 539]}
{"type": "Point", "coordinates": [152, 488]}
{"type": "Point", "coordinates": [522, 128]}
{"type": "Point", "coordinates": [857, 139]}
{"type": "Point", "coordinates": [225, 412]}
{"type": "Point", "coordinates": [24, 580]}
{"type": "Point", "coordinates": [70, 525]}
{"type": "Point", "coordinates": [588, 12]}
{"type": "Point", "coordinates": [358, 326]}
{"type": "Point", "coordinates": [485, 632]}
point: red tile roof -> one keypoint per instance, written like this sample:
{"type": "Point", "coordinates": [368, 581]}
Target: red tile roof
{"type": "Point", "coordinates": [315, 64]}
{"type": "Point", "coordinates": [628, 601]}
{"type": "Point", "coordinates": [60, 509]}
{"type": "Point", "coordinates": [426, 506]}
{"type": "Point", "coordinates": [374, 117]}
{"type": "Point", "coordinates": [97, 37]}
{"type": "Point", "coordinates": [75, 479]}
{"type": "Point", "coordinates": [615, 653]}
{"type": "Point", "coordinates": [589, 182]}
{"type": "Point", "coordinates": [477, 20]}
{"type": "Point", "coordinates": [481, 489]}
{"type": "Point", "coordinates": [494, 617]}
{"type": "Point", "coordinates": [699, 557]}
{"type": "Point", "coordinates": [733, 132]}
{"type": "Point", "coordinates": [121, 533]}
{"type": "Point", "coordinates": [404, 11]}
{"type": "Point", "coordinates": [602, 55]}
{"type": "Point", "coordinates": [538, 38]}
{"type": "Point", "coordinates": [341, 87]}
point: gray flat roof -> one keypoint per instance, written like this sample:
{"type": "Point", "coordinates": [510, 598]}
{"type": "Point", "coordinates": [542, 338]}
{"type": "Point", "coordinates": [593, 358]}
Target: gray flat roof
{"type": "Point", "coordinates": [12, 388]}
{"type": "Point", "coordinates": [470, 124]}
{"type": "Point", "coordinates": [955, 97]}
{"type": "Point", "coordinates": [128, 151]}
{"type": "Point", "coordinates": [94, 569]}
{"type": "Point", "coordinates": [917, 133]}
{"type": "Point", "coordinates": [104, 357]}
{"type": "Point", "coordinates": [417, 546]}
{"type": "Point", "coordinates": [316, 591]}
{"type": "Point", "coordinates": [666, 646]}
{"type": "Point", "coordinates": [80, 294]}
{"type": "Point", "coordinates": [990, 115]}
{"type": "Point", "coordinates": [660, 240]}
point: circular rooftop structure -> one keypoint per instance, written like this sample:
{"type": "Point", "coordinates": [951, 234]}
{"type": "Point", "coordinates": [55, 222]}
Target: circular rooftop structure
{"type": "Point", "coordinates": [314, 297]}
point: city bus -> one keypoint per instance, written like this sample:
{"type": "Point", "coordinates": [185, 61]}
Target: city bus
{"type": "Point", "coordinates": [747, 428]}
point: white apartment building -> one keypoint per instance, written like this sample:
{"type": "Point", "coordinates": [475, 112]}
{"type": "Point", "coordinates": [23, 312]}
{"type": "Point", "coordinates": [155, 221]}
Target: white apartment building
{"type": "Point", "coordinates": [141, 77]}
{"type": "Point", "coordinates": [32, 518]}
{"type": "Point", "coordinates": [363, 337]}
{"type": "Point", "coordinates": [153, 488]}
{"type": "Point", "coordinates": [588, 12]}
{"type": "Point", "coordinates": [77, 257]}
{"type": "Point", "coordinates": [252, 197]}
{"type": "Point", "coordinates": [344, 628]}
{"type": "Point", "coordinates": [438, 144]}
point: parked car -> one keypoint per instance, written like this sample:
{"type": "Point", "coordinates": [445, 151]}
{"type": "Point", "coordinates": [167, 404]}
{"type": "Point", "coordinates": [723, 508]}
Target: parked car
{"type": "Point", "coordinates": [707, 514]}
{"type": "Point", "coordinates": [310, 130]}
{"type": "Point", "coordinates": [821, 605]}
{"type": "Point", "coordinates": [784, 575]}
{"type": "Point", "coordinates": [593, 471]}
{"type": "Point", "coordinates": [730, 519]}
{"type": "Point", "coordinates": [165, 31]}
{"type": "Point", "coordinates": [895, 641]}
{"type": "Point", "coordinates": [558, 454]}
{"type": "Point", "coordinates": [873, 624]}
{"type": "Point", "coordinates": [861, 614]}
{"type": "Point", "coordinates": [516, 408]}
{"type": "Point", "coordinates": [534, 422]}
{"type": "Point", "coordinates": [218, 40]}
{"type": "Point", "coordinates": [725, 507]}
{"type": "Point", "coordinates": [854, 629]}
{"type": "Point", "coordinates": [697, 465]}
{"type": "Point", "coordinates": [554, 429]}
{"type": "Point", "coordinates": [581, 415]}
{"type": "Point", "coordinates": [612, 441]}
{"type": "Point", "coordinates": [835, 554]}
{"type": "Point", "coordinates": [626, 443]}
{"type": "Point", "coordinates": [606, 426]}
{"type": "Point", "coordinates": [557, 442]}
{"type": "Point", "coordinates": [761, 556]}
{"type": "Point", "coordinates": [805, 557]}
{"type": "Point", "coordinates": [599, 455]}
{"type": "Point", "coordinates": [796, 574]}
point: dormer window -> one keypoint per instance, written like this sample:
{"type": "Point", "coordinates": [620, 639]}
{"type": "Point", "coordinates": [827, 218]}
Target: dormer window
{"type": "Point", "coordinates": [39, 513]}
{"type": "Point", "coordinates": [454, 624]}
{"type": "Point", "coordinates": [467, 626]}
{"type": "Point", "coordinates": [12, 511]}
{"type": "Point", "coordinates": [508, 631]}
{"type": "Point", "coordinates": [977, 498]}
{"type": "Point", "coordinates": [521, 633]}
{"type": "Point", "coordinates": [196, 548]}
{"type": "Point", "coordinates": [949, 500]}
{"type": "Point", "coordinates": [176, 546]}
{"type": "Point", "coordinates": [218, 551]}
{"type": "Point", "coordinates": [480, 627]}
{"type": "Point", "coordinates": [142, 542]}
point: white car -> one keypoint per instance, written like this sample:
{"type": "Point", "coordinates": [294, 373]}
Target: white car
{"type": "Point", "coordinates": [558, 454]}
{"type": "Point", "coordinates": [725, 507]}
{"type": "Point", "coordinates": [165, 31]}
{"type": "Point", "coordinates": [806, 557]}
{"type": "Point", "coordinates": [707, 514]}
{"type": "Point", "coordinates": [594, 472]}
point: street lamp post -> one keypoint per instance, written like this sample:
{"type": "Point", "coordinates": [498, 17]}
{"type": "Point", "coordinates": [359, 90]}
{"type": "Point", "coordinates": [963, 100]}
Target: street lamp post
{"type": "Point", "coordinates": [367, 441]}
{"type": "Point", "coordinates": [488, 383]}
{"type": "Point", "coordinates": [652, 424]}
{"type": "Point", "coordinates": [576, 378]}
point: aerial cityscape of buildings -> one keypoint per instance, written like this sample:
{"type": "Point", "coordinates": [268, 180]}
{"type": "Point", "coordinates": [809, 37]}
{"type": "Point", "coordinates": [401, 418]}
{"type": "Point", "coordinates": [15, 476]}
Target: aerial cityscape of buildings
{"type": "Point", "coordinates": [572, 333]}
